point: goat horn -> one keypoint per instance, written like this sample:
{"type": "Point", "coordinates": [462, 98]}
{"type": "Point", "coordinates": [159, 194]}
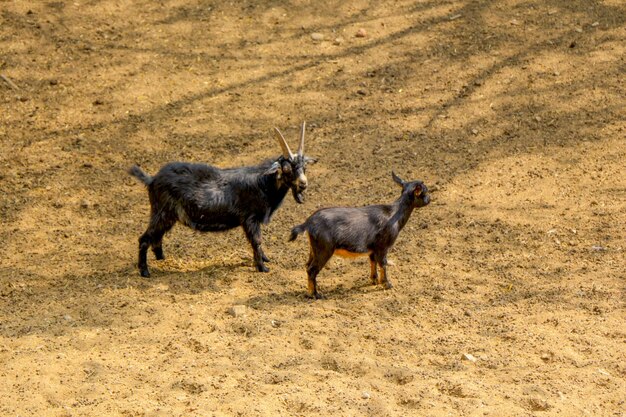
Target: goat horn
{"type": "Point", "coordinates": [283, 144]}
{"type": "Point", "coordinates": [301, 147]}
{"type": "Point", "coordinates": [397, 179]}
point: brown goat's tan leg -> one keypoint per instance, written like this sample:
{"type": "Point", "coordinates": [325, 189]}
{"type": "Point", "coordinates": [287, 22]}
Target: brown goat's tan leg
{"type": "Point", "coordinates": [383, 279]}
{"type": "Point", "coordinates": [318, 257]}
{"type": "Point", "coordinates": [312, 287]}
{"type": "Point", "coordinates": [373, 271]}
{"type": "Point", "coordinates": [312, 272]}
{"type": "Point", "coordinates": [311, 283]}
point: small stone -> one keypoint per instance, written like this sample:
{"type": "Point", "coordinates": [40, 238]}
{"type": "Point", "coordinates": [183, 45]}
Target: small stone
{"type": "Point", "coordinates": [579, 30]}
{"type": "Point", "coordinates": [361, 92]}
{"type": "Point", "coordinates": [238, 310]}
{"type": "Point", "coordinates": [275, 323]}
{"type": "Point", "coordinates": [366, 395]}
{"type": "Point", "coordinates": [361, 33]}
{"type": "Point", "coordinates": [594, 24]}
{"type": "Point", "coordinates": [469, 357]}
{"type": "Point", "coordinates": [53, 82]}
{"type": "Point", "coordinates": [514, 22]}
{"type": "Point", "coordinates": [556, 73]}
{"type": "Point", "coordinates": [98, 102]}
{"type": "Point", "coordinates": [598, 248]}
{"type": "Point", "coordinates": [317, 36]}
{"type": "Point", "coordinates": [338, 41]}
{"type": "Point", "coordinates": [537, 404]}
{"type": "Point", "coordinates": [85, 204]}
{"type": "Point", "coordinates": [538, 118]}
{"type": "Point", "coordinates": [474, 132]}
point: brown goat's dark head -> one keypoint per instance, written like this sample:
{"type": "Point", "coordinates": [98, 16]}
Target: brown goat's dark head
{"type": "Point", "coordinates": [417, 190]}
{"type": "Point", "coordinates": [291, 168]}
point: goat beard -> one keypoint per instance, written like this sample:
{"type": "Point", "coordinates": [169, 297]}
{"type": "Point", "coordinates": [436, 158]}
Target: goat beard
{"type": "Point", "coordinates": [298, 196]}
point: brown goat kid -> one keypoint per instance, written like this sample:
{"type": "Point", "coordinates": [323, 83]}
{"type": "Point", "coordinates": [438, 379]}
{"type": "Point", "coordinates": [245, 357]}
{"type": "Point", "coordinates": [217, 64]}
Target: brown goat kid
{"type": "Point", "coordinates": [349, 232]}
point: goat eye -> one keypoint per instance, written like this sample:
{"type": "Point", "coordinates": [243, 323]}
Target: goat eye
{"type": "Point", "coordinates": [286, 169]}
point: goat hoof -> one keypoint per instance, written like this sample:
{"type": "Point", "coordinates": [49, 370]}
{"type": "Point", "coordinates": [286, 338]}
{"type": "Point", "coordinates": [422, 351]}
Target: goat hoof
{"type": "Point", "coordinates": [262, 268]}
{"type": "Point", "coordinates": [265, 258]}
{"type": "Point", "coordinates": [159, 256]}
{"type": "Point", "coordinates": [145, 273]}
{"type": "Point", "coordinates": [316, 296]}
{"type": "Point", "coordinates": [387, 285]}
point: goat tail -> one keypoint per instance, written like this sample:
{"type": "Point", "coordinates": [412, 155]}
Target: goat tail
{"type": "Point", "coordinates": [136, 172]}
{"type": "Point", "coordinates": [296, 231]}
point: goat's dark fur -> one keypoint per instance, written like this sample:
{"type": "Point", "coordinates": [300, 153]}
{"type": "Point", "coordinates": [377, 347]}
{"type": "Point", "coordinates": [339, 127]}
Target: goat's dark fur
{"type": "Point", "coordinates": [210, 199]}
{"type": "Point", "coordinates": [370, 230]}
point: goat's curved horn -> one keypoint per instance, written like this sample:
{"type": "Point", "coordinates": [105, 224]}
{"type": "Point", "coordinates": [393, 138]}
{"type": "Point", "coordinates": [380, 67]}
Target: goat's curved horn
{"type": "Point", "coordinates": [283, 144]}
{"type": "Point", "coordinates": [301, 147]}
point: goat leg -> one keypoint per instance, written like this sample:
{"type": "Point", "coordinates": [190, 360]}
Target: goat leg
{"type": "Point", "coordinates": [142, 263]}
{"type": "Point", "coordinates": [383, 279]}
{"type": "Point", "coordinates": [318, 257]}
{"type": "Point", "coordinates": [312, 284]}
{"type": "Point", "coordinates": [373, 271]}
{"type": "Point", "coordinates": [157, 237]}
{"type": "Point", "coordinates": [253, 233]}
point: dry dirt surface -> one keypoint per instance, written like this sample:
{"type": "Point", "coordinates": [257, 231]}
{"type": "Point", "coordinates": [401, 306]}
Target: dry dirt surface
{"type": "Point", "coordinates": [509, 287]}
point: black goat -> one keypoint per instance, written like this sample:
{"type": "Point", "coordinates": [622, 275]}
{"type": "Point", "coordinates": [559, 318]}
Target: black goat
{"type": "Point", "coordinates": [210, 199]}
{"type": "Point", "coordinates": [351, 232]}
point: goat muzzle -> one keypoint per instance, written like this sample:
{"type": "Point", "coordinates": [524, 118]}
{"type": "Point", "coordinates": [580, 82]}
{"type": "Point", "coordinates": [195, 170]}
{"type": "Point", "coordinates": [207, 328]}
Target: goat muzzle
{"type": "Point", "coordinates": [298, 195]}
{"type": "Point", "coordinates": [298, 189]}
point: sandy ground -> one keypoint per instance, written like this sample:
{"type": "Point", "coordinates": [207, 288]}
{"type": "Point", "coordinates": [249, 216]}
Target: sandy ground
{"type": "Point", "coordinates": [509, 288]}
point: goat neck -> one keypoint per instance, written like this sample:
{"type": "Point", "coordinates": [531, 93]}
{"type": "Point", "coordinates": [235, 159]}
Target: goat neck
{"type": "Point", "coordinates": [402, 209]}
{"type": "Point", "coordinates": [275, 192]}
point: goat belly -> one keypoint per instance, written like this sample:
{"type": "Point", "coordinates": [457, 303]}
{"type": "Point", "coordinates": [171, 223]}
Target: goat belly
{"type": "Point", "coordinates": [344, 253]}
{"type": "Point", "coordinates": [213, 222]}
{"type": "Point", "coordinates": [213, 227]}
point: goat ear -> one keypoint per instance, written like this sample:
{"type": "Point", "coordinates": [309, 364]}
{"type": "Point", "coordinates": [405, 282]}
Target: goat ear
{"type": "Point", "coordinates": [397, 179]}
{"type": "Point", "coordinates": [309, 160]}
{"type": "Point", "coordinates": [274, 169]}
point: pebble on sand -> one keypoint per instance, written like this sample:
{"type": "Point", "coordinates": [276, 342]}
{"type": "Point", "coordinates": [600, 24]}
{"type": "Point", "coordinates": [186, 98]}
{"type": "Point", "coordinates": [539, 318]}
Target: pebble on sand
{"type": "Point", "coordinates": [237, 310]}
{"type": "Point", "coordinates": [469, 357]}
